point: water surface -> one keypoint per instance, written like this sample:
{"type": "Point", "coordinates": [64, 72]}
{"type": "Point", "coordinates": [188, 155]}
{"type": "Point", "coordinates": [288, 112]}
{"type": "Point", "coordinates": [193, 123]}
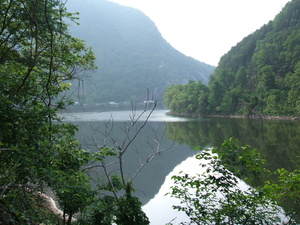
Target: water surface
{"type": "Point", "coordinates": [277, 140]}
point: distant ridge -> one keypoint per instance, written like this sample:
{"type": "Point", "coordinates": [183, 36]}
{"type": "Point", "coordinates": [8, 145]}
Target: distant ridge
{"type": "Point", "coordinates": [131, 54]}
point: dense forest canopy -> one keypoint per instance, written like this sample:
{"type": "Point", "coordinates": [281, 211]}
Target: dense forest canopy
{"type": "Point", "coordinates": [131, 54]}
{"type": "Point", "coordinates": [258, 76]}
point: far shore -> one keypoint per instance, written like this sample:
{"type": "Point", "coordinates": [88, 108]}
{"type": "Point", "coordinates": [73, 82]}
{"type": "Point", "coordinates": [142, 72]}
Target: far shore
{"type": "Point", "coordinates": [234, 116]}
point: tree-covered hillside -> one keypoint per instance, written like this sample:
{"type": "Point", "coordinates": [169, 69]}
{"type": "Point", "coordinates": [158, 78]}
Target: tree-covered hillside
{"type": "Point", "coordinates": [259, 76]}
{"type": "Point", "coordinates": [131, 54]}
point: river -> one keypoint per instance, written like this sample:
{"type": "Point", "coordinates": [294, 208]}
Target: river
{"type": "Point", "coordinates": [277, 140]}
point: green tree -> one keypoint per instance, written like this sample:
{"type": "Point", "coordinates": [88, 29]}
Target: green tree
{"type": "Point", "coordinates": [203, 93]}
{"type": "Point", "coordinates": [130, 211]}
{"type": "Point", "coordinates": [266, 79]}
{"type": "Point", "coordinates": [37, 56]}
{"type": "Point", "coordinates": [241, 77]}
{"type": "Point", "coordinates": [216, 96]}
{"type": "Point", "coordinates": [293, 80]}
{"type": "Point", "coordinates": [170, 95]}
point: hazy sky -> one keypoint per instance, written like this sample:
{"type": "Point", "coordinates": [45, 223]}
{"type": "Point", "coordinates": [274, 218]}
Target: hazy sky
{"type": "Point", "coordinates": [207, 29]}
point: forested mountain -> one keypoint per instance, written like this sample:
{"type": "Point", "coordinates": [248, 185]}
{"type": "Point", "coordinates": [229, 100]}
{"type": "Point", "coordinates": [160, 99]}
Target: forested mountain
{"type": "Point", "coordinates": [131, 54]}
{"type": "Point", "coordinates": [258, 76]}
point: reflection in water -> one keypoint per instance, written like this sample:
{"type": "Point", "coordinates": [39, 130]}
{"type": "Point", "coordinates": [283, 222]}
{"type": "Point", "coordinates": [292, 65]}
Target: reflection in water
{"type": "Point", "coordinates": [278, 142]}
{"type": "Point", "coordinates": [152, 176]}
{"type": "Point", "coordinates": [159, 209]}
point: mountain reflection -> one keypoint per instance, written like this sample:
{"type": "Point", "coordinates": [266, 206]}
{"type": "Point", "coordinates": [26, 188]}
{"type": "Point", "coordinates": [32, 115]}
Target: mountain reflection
{"type": "Point", "coordinates": [277, 140]}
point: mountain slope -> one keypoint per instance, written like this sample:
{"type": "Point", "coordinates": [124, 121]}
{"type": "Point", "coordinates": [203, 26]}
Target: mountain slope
{"type": "Point", "coordinates": [258, 76]}
{"type": "Point", "coordinates": [131, 54]}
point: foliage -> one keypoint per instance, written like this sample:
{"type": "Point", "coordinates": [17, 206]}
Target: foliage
{"type": "Point", "coordinates": [217, 197]}
{"type": "Point", "coordinates": [286, 191]}
{"type": "Point", "coordinates": [130, 211]}
{"type": "Point", "coordinates": [191, 98]}
{"type": "Point", "coordinates": [108, 209]}
{"type": "Point", "coordinates": [259, 76]}
{"type": "Point", "coordinates": [36, 151]}
{"type": "Point", "coordinates": [23, 206]}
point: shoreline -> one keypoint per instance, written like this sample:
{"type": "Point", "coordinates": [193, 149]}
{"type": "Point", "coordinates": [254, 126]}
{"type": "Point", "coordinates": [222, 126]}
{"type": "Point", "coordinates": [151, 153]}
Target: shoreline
{"type": "Point", "coordinates": [234, 116]}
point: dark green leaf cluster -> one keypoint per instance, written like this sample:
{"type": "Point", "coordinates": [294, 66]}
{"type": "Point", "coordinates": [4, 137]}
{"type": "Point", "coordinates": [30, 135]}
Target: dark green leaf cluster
{"type": "Point", "coordinates": [259, 76]}
{"type": "Point", "coordinates": [37, 152]}
{"type": "Point", "coordinates": [124, 209]}
{"type": "Point", "coordinates": [191, 98]}
{"type": "Point", "coordinates": [215, 196]}
{"type": "Point", "coordinates": [286, 191]}
{"type": "Point", "coordinates": [130, 209]}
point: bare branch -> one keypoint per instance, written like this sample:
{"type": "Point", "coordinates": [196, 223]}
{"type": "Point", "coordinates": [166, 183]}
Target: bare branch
{"type": "Point", "coordinates": [156, 151]}
{"type": "Point", "coordinates": [131, 130]}
{"type": "Point", "coordinates": [109, 180]}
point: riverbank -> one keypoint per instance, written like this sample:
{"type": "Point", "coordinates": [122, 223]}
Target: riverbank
{"type": "Point", "coordinates": [234, 116]}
